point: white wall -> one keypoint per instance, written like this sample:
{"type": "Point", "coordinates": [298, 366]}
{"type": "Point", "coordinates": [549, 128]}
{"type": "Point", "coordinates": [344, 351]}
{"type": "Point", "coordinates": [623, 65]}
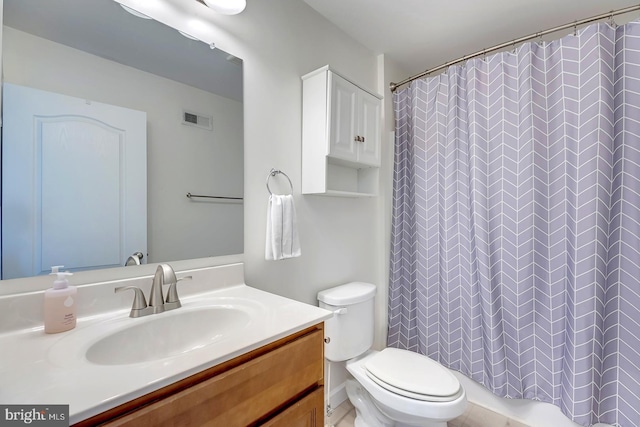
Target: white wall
{"type": "Point", "coordinates": [279, 41]}
{"type": "Point", "coordinates": [180, 158]}
{"type": "Point", "coordinates": [337, 235]}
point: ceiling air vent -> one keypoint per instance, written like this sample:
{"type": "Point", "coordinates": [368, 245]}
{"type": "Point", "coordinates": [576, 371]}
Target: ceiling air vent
{"type": "Point", "coordinates": [196, 119]}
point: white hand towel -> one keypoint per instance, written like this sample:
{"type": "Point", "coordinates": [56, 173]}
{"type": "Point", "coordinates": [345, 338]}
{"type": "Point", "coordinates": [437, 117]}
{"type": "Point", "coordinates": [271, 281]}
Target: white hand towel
{"type": "Point", "coordinates": [282, 231]}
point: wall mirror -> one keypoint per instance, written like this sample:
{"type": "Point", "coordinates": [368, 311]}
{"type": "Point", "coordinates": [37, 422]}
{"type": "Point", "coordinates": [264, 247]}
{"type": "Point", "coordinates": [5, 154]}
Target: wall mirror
{"type": "Point", "coordinates": [190, 96]}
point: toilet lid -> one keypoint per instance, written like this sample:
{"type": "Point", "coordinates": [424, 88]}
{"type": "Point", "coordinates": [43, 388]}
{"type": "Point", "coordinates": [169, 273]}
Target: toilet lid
{"type": "Point", "coordinates": [412, 375]}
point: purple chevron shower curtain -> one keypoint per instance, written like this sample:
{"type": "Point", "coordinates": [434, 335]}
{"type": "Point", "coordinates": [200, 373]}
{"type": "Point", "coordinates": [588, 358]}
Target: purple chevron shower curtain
{"type": "Point", "coordinates": [516, 223]}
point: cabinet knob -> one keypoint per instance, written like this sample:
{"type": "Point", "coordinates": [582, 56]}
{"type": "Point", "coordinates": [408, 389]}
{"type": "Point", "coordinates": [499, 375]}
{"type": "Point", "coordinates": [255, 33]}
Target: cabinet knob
{"type": "Point", "coordinates": [356, 138]}
{"type": "Point", "coordinates": [362, 139]}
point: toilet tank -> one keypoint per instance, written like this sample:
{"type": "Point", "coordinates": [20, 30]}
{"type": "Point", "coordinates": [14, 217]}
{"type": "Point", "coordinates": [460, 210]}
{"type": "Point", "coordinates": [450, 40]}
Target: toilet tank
{"type": "Point", "coordinates": [350, 330]}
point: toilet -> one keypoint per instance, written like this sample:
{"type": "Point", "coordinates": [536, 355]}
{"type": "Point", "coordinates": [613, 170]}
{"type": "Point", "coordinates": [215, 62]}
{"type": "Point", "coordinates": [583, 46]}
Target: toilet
{"type": "Point", "coordinates": [392, 387]}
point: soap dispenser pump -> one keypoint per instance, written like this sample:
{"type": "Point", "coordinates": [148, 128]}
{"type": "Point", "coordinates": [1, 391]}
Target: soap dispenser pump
{"type": "Point", "coordinates": [60, 303]}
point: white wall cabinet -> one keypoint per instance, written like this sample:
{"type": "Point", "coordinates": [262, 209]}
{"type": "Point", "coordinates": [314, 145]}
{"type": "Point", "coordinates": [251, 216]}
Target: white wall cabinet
{"type": "Point", "coordinates": [340, 136]}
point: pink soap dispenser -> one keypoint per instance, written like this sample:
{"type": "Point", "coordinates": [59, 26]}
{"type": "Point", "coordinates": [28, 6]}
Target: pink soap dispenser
{"type": "Point", "coordinates": [60, 303]}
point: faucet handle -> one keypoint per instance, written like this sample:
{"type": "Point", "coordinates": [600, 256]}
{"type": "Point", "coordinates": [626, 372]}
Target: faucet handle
{"type": "Point", "coordinates": [139, 307]}
{"type": "Point", "coordinates": [173, 301]}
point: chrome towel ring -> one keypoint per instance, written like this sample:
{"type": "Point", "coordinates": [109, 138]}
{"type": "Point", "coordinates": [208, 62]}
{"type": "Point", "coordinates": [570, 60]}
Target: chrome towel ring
{"type": "Point", "coordinates": [275, 172]}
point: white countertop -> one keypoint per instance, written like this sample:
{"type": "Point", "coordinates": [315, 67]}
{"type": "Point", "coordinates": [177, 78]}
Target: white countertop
{"type": "Point", "coordinates": [33, 372]}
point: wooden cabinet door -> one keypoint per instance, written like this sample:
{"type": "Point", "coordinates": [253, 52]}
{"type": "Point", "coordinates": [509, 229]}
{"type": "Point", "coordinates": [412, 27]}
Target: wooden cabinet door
{"type": "Point", "coordinates": [307, 412]}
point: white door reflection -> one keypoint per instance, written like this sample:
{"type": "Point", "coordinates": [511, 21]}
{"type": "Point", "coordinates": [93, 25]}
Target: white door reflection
{"type": "Point", "coordinates": [78, 174]}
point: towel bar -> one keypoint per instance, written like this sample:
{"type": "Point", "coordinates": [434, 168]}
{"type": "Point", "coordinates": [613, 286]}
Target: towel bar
{"type": "Point", "coordinates": [189, 195]}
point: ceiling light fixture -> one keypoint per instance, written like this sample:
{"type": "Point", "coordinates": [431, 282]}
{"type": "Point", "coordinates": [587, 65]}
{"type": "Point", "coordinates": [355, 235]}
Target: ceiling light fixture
{"type": "Point", "coordinates": [189, 36]}
{"type": "Point", "coordinates": [226, 7]}
{"type": "Point", "coordinates": [135, 12]}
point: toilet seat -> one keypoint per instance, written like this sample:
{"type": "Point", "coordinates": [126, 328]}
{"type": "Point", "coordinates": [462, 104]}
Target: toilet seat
{"type": "Point", "coordinates": [412, 375]}
{"type": "Point", "coordinates": [404, 409]}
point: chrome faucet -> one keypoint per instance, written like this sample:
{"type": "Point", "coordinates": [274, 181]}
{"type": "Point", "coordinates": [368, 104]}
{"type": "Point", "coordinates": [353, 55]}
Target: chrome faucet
{"type": "Point", "coordinates": [164, 275]}
{"type": "Point", "coordinates": [157, 304]}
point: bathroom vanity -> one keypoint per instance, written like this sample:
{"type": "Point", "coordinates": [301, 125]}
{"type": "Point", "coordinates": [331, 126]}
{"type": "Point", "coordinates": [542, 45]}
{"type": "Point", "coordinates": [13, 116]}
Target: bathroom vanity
{"type": "Point", "coordinates": [232, 355]}
{"type": "Point", "coordinates": [280, 384]}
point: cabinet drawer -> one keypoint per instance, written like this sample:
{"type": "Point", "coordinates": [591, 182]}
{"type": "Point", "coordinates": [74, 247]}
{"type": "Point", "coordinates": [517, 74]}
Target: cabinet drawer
{"type": "Point", "coordinates": [242, 395]}
{"type": "Point", "coordinates": [308, 412]}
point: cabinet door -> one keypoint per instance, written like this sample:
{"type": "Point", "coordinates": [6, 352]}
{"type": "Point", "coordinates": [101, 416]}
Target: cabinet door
{"type": "Point", "coordinates": [369, 129]}
{"type": "Point", "coordinates": [342, 123]}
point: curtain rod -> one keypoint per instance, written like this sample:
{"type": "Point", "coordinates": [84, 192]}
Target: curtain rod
{"type": "Point", "coordinates": [394, 86]}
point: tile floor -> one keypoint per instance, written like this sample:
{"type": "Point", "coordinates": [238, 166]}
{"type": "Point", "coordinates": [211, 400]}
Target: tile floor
{"type": "Point", "coordinates": [475, 416]}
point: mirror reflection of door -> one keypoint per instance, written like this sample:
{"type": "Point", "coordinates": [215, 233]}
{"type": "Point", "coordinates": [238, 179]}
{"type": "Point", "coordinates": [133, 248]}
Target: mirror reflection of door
{"type": "Point", "coordinates": [78, 193]}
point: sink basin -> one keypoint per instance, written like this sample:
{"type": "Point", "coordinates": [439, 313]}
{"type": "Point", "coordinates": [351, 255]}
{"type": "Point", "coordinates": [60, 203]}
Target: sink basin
{"type": "Point", "coordinates": [124, 341]}
{"type": "Point", "coordinates": [167, 336]}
